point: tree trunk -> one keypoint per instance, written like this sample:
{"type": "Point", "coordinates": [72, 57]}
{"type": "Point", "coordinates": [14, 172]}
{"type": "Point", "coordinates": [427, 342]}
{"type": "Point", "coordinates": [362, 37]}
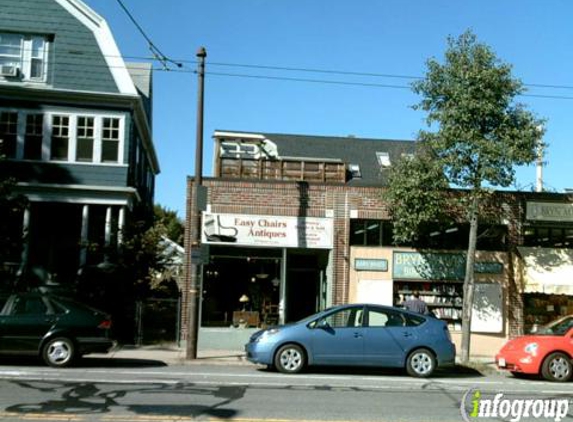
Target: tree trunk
{"type": "Point", "coordinates": [469, 281]}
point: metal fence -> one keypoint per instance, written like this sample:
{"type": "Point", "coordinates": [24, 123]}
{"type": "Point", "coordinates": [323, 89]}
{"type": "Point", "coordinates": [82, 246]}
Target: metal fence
{"type": "Point", "coordinates": [157, 321]}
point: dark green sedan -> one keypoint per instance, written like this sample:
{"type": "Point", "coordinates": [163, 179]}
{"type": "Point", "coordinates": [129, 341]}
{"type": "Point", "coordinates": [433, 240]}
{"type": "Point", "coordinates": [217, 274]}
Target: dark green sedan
{"type": "Point", "coordinates": [57, 329]}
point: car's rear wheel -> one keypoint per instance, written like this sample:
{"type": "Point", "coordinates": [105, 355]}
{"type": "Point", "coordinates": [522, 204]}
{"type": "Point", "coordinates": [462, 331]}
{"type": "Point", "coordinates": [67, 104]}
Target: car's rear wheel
{"type": "Point", "coordinates": [290, 359]}
{"type": "Point", "coordinates": [59, 352]}
{"type": "Point", "coordinates": [421, 363]}
{"type": "Point", "coordinates": [557, 367]}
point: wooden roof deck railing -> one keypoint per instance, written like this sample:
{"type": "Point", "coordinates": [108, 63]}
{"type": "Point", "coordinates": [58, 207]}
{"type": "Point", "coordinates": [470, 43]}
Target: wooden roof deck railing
{"type": "Point", "coordinates": [262, 169]}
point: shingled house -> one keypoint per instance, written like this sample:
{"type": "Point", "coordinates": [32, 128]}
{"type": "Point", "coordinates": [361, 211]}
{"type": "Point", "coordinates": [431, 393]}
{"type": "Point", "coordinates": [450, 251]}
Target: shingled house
{"type": "Point", "coordinates": [75, 125]}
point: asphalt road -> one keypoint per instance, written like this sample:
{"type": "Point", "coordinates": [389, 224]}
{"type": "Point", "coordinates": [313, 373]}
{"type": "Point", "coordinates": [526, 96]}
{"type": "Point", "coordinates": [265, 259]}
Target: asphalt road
{"type": "Point", "coordinates": [130, 390]}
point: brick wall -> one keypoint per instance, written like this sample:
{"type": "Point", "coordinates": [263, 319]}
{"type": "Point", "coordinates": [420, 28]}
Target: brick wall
{"type": "Point", "coordinates": [342, 203]}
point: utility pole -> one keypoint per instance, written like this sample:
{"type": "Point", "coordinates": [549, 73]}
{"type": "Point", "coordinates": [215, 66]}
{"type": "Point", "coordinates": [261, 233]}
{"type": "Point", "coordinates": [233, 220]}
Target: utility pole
{"type": "Point", "coordinates": [194, 294]}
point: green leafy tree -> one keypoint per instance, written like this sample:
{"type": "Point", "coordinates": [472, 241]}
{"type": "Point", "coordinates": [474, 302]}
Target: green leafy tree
{"type": "Point", "coordinates": [148, 254]}
{"type": "Point", "coordinates": [477, 135]}
{"type": "Point", "coordinates": [416, 196]}
{"type": "Point", "coordinates": [11, 207]}
{"type": "Point", "coordinates": [173, 227]}
{"type": "Point", "coordinates": [136, 271]}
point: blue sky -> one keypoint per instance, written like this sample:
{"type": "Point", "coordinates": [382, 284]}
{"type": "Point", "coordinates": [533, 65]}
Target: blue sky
{"type": "Point", "coordinates": [382, 37]}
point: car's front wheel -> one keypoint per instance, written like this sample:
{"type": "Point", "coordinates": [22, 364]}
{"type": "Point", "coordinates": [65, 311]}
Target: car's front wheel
{"type": "Point", "coordinates": [421, 363]}
{"type": "Point", "coordinates": [59, 352]}
{"type": "Point", "coordinates": [557, 367]}
{"type": "Point", "coordinates": [290, 359]}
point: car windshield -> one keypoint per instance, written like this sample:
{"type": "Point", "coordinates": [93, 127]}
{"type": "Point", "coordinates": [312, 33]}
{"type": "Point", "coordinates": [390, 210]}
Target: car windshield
{"type": "Point", "coordinates": [316, 317]}
{"type": "Point", "coordinates": [557, 328]}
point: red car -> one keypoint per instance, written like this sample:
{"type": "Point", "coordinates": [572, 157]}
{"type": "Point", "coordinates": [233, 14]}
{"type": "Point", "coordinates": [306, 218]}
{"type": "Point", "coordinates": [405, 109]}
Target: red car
{"type": "Point", "coordinates": [548, 352]}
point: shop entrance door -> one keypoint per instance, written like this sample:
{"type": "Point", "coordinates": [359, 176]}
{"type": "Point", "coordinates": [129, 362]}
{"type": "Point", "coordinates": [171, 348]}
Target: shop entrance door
{"type": "Point", "coordinates": [304, 277]}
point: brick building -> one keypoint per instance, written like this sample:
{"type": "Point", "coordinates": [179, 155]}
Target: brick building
{"type": "Point", "coordinates": [293, 224]}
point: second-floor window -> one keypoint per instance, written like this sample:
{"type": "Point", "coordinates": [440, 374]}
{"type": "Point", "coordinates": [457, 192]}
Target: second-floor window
{"type": "Point", "coordinates": [81, 138]}
{"type": "Point", "coordinates": [60, 137]}
{"type": "Point", "coordinates": [85, 139]}
{"type": "Point", "coordinates": [110, 140]}
{"type": "Point", "coordinates": [23, 57]}
{"type": "Point", "coordinates": [8, 134]}
{"type": "Point", "coordinates": [34, 137]}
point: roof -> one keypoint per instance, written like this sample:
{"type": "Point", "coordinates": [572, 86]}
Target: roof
{"type": "Point", "coordinates": [350, 150]}
{"type": "Point", "coordinates": [141, 74]}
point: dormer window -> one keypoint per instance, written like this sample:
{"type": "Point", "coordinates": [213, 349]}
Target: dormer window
{"type": "Point", "coordinates": [383, 159]}
{"type": "Point", "coordinates": [23, 57]}
{"type": "Point", "coordinates": [407, 156]}
{"type": "Point", "coordinates": [354, 170]}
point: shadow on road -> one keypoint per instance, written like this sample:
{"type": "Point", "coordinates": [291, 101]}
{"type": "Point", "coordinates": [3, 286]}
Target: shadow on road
{"type": "Point", "coordinates": [86, 362]}
{"type": "Point", "coordinates": [87, 398]}
{"type": "Point", "coordinates": [92, 362]}
{"type": "Point", "coordinates": [455, 372]}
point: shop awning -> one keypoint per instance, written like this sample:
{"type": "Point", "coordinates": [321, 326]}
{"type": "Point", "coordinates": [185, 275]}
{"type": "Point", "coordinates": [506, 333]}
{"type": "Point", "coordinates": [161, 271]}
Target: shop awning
{"type": "Point", "coordinates": [547, 270]}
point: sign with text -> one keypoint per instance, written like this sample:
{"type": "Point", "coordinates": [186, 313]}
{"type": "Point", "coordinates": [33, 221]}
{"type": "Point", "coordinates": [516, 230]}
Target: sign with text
{"type": "Point", "coordinates": [437, 266]}
{"type": "Point", "coordinates": [428, 266]}
{"type": "Point", "coordinates": [267, 230]}
{"type": "Point", "coordinates": [549, 211]}
{"type": "Point", "coordinates": [365, 264]}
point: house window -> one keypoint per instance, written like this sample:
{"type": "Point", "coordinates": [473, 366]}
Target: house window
{"type": "Point", "coordinates": [33, 137]}
{"type": "Point", "coordinates": [23, 57]}
{"type": "Point", "coordinates": [110, 140]}
{"type": "Point", "coordinates": [383, 159]}
{"type": "Point", "coordinates": [30, 135]}
{"type": "Point", "coordinates": [60, 137]}
{"type": "Point", "coordinates": [8, 133]}
{"type": "Point", "coordinates": [85, 139]}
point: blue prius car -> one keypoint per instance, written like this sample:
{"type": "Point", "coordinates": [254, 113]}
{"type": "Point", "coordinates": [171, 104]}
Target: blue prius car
{"type": "Point", "coordinates": [357, 334]}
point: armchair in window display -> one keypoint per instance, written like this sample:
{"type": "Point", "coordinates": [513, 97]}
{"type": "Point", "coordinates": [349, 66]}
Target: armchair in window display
{"type": "Point", "coordinates": [245, 318]}
{"type": "Point", "coordinates": [270, 313]}
{"type": "Point", "coordinates": [216, 232]}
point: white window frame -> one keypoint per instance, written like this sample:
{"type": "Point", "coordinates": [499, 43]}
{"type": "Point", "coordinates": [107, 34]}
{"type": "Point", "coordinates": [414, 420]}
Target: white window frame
{"type": "Point", "coordinates": [101, 139]}
{"type": "Point", "coordinates": [383, 159]}
{"type": "Point", "coordinates": [72, 143]}
{"type": "Point", "coordinates": [24, 61]}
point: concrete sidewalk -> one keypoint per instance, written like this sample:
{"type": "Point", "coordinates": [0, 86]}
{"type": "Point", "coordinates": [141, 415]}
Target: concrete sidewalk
{"type": "Point", "coordinates": [171, 354]}
{"type": "Point", "coordinates": [225, 346]}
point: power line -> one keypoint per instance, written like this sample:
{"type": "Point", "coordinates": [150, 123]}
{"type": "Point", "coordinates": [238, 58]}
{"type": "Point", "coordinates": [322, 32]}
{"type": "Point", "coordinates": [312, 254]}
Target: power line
{"type": "Point", "coordinates": [311, 70]}
{"type": "Point", "coordinates": [152, 47]}
{"type": "Point", "coordinates": [187, 70]}
{"type": "Point", "coordinates": [158, 56]}
{"type": "Point", "coordinates": [322, 81]}
{"type": "Point", "coordinates": [375, 85]}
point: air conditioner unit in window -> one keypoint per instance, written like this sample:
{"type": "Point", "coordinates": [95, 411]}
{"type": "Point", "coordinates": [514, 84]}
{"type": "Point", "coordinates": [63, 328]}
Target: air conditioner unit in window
{"type": "Point", "coordinates": [6, 70]}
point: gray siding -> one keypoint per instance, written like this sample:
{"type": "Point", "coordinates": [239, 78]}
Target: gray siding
{"type": "Point", "coordinates": [66, 174]}
{"type": "Point", "coordinates": [75, 62]}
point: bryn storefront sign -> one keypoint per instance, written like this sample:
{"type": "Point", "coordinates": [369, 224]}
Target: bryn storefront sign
{"type": "Point", "coordinates": [266, 230]}
{"type": "Point", "coordinates": [437, 266]}
{"type": "Point", "coordinates": [549, 211]}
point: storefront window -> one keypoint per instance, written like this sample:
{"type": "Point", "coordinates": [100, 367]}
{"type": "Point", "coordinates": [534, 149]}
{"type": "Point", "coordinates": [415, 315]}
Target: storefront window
{"type": "Point", "coordinates": [433, 236]}
{"type": "Point", "coordinates": [548, 237]}
{"type": "Point", "coordinates": [540, 309]}
{"type": "Point", "coordinates": [370, 233]}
